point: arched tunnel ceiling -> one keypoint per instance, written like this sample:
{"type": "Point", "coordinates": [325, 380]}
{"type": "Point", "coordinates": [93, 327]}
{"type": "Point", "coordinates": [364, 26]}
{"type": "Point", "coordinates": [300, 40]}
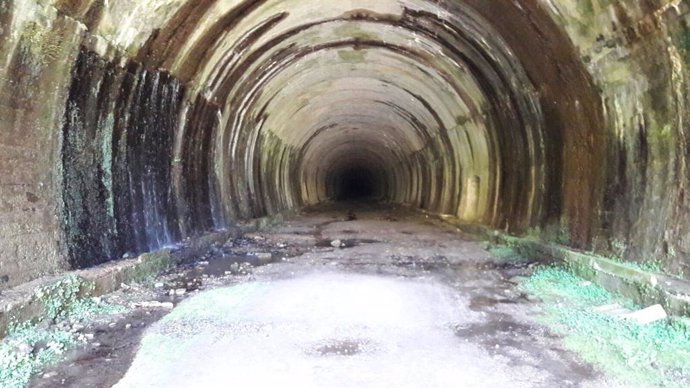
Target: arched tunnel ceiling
{"type": "Point", "coordinates": [453, 97]}
{"type": "Point", "coordinates": [429, 92]}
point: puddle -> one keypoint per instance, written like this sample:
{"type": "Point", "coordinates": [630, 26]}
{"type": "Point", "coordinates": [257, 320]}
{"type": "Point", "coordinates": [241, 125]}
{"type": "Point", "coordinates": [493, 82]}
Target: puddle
{"type": "Point", "coordinates": [341, 348]}
{"type": "Point", "coordinates": [426, 264]}
{"type": "Point", "coordinates": [518, 342]}
{"type": "Point", "coordinates": [479, 303]}
{"type": "Point", "coordinates": [349, 243]}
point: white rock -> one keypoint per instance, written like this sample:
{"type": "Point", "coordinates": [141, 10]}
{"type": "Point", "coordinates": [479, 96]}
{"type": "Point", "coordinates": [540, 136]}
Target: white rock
{"type": "Point", "coordinates": [23, 348]}
{"type": "Point", "coordinates": [156, 304]}
{"type": "Point", "coordinates": [336, 243]}
{"type": "Point", "coordinates": [180, 291]}
{"type": "Point", "coordinates": [159, 285]}
{"type": "Point", "coordinates": [77, 327]}
{"type": "Point", "coordinates": [649, 315]}
{"type": "Point", "coordinates": [613, 310]}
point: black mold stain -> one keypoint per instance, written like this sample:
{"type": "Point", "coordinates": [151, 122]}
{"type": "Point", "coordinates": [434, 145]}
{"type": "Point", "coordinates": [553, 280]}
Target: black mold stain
{"type": "Point", "coordinates": [117, 168]}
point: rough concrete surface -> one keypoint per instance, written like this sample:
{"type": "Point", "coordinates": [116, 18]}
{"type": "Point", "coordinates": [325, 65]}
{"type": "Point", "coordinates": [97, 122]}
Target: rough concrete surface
{"type": "Point", "coordinates": [404, 302]}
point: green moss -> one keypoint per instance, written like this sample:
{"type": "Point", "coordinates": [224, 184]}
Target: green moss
{"type": "Point", "coordinates": [505, 252]}
{"type": "Point", "coordinates": [59, 296]}
{"type": "Point", "coordinates": [148, 265]}
{"type": "Point", "coordinates": [637, 355]}
{"type": "Point", "coordinates": [28, 348]}
{"type": "Point", "coordinates": [682, 41]}
{"type": "Point", "coordinates": [42, 348]}
{"type": "Point", "coordinates": [647, 266]}
{"type": "Point", "coordinates": [88, 308]}
{"type": "Point", "coordinates": [44, 46]}
{"type": "Point", "coordinates": [69, 299]}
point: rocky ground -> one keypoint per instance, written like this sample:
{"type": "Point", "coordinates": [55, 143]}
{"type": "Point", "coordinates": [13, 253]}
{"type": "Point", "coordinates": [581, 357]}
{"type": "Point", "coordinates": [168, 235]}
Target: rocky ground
{"type": "Point", "coordinates": [337, 296]}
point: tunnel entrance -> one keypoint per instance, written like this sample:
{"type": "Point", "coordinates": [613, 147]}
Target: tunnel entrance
{"type": "Point", "coordinates": [358, 183]}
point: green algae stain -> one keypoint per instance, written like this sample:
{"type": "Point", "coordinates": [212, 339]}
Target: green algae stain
{"type": "Point", "coordinates": [636, 355]}
{"type": "Point", "coordinates": [352, 56]}
{"type": "Point", "coordinates": [353, 30]}
{"type": "Point", "coordinates": [221, 303]}
{"type": "Point", "coordinates": [681, 39]}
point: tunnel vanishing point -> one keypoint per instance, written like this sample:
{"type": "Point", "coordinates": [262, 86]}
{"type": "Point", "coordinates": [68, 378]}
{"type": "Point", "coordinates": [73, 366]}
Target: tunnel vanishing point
{"type": "Point", "coordinates": [128, 125]}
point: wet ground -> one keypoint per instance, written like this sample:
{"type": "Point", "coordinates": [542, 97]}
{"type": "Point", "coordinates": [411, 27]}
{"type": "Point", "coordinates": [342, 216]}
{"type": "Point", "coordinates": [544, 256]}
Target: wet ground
{"type": "Point", "coordinates": [346, 296]}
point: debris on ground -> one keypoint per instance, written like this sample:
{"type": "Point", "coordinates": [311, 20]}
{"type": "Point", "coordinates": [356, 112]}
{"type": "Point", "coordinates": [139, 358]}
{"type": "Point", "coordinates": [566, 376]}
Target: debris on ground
{"type": "Point", "coordinates": [155, 304]}
{"type": "Point", "coordinates": [649, 315]}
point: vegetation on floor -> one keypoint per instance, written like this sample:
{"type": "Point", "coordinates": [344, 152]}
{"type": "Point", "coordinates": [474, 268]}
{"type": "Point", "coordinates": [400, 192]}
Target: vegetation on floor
{"type": "Point", "coordinates": [637, 355]}
{"type": "Point", "coordinates": [30, 347]}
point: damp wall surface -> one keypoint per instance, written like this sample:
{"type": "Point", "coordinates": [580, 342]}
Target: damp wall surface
{"type": "Point", "coordinates": [117, 157]}
{"type": "Point", "coordinates": [126, 126]}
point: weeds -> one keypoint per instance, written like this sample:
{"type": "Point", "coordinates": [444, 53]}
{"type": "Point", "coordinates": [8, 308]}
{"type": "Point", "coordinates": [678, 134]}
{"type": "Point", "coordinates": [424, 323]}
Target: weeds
{"type": "Point", "coordinates": [640, 355]}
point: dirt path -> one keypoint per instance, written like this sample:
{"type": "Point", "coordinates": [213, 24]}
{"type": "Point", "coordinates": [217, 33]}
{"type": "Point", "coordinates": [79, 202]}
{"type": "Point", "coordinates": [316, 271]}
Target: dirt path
{"type": "Point", "coordinates": [350, 297]}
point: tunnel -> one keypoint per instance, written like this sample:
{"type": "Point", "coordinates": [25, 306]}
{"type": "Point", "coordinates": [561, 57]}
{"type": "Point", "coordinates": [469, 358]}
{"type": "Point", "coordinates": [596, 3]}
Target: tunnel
{"type": "Point", "coordinates": [130, 127]}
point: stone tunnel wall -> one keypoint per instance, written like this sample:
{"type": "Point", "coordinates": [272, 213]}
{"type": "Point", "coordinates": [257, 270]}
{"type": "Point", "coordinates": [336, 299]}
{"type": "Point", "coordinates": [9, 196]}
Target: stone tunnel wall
{"type": "Point", "coordinates": [117, 158]}
{"type": "Point", "coordinates": [127, 125]}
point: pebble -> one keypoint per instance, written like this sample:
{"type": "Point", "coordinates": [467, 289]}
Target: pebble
{"type": "Point", "coordinates": [49, 375]}
{"type": "Point", "coordinates": [156, 304]}
{"type": "Point", "coordinates": [77, 327]}
{"type": "Point", "coordinates": [180, 291]}
{"type": "Point", "coordinates": [128, 326]}
{"type": "Point", "coordinates": [336, 243]}
{"type": "Point", "coordinates": [159, 285]}
{"type": "Point", "coordinates": [264, 256]}
{"type": "Point", "coordinates": [23, 348]}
